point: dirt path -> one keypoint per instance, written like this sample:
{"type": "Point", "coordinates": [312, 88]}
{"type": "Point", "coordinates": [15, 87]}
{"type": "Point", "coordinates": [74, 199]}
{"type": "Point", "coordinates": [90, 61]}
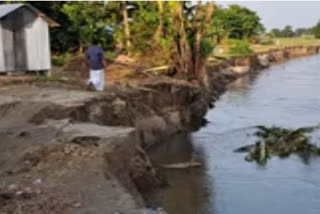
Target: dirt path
{"type": "Point", "coordinates": [50, 163]}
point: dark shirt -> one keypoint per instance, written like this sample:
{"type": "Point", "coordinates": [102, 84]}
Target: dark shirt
{"type": "Point", "coordinates": [94, 55]}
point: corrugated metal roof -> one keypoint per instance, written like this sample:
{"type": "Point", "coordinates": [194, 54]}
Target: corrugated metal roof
{"type": "Point", "coordinates": [6, 9]}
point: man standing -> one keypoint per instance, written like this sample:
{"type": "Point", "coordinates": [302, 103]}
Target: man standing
{"type": "Point", "coordinates": [95, 60]}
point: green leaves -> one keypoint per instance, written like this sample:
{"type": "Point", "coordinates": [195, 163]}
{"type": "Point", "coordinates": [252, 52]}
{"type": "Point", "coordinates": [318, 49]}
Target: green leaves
{"type": "Point", "coordinates": [240, 48]}
{"type": "Point", "coordinates": [159, 30]}
{"type": "Point", "coordinates": [89, 20]}
{"type": "Point", "coordinates": [236, 22]}
{"type": "Point", "coordinates": [316, 30]}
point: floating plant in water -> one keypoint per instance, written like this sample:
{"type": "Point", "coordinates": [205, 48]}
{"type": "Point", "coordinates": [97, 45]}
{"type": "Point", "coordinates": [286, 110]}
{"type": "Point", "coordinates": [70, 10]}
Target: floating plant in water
{"type": "Point", "coordinates": [275, 141]}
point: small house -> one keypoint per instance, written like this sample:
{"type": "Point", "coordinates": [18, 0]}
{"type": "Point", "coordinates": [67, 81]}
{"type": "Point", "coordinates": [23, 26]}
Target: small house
{"type": "Point", "coordinates": [24, 39]}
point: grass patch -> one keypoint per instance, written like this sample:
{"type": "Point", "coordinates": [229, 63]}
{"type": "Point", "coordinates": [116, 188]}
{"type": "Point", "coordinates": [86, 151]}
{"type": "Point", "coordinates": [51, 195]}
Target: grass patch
{"type": "Point", "coordinates": [62, 59]}
{"type": "Point", "coordinates": [285, 42]}
{"type": "Point", "coordinates": [52, 78]}
{"type": "Point", "coordinates": [240, 48]}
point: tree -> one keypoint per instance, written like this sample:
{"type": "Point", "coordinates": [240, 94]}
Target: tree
{"type": "Point", "coordinates": [316, 30]}
{"type": "Point", "coordinates": [190, 33]}
{"type": "Point", "coordinates": [217, 26]}
{"type": "Point", "coordinates": [159, 31]}
{"type": "Point", "coordinates": [182, 34]}
{"type": "Point", "coordinates": [89, 21]}
{"type": "Point", "coordinates": [239, 22]}
{"type": "Point", "coordinates": [144, 26]}
{"type": "Point", "coordinates": [275, 32]}
{"type": "Point", "coordinates": [126, 25]}
{"type": "Point", "coordinates": [301, 31]}
{"type": "Point", "coordinates": [287, 31]}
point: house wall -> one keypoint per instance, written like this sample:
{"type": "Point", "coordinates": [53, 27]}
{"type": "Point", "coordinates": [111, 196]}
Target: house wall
{"type": "Point", "coordinates": [24, 42]}
{"type": "Point", "coordinates": [7, 45]}
{"type": "Point", "coordinates": [19, 41]}
{"type": "Point", "coordinates": [37, 44]}
{"type": "Point", "coordinates": [1, 51]}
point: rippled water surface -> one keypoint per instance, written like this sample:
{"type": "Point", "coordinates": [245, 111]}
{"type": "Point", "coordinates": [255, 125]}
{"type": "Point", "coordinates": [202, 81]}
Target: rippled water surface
{"type": "Point", "coordinates": [286, 95]}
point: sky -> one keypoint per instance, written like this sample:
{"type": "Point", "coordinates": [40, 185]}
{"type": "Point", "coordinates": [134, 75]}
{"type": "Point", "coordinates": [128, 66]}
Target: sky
{"type": "Point", "coordinates": [277, 14]}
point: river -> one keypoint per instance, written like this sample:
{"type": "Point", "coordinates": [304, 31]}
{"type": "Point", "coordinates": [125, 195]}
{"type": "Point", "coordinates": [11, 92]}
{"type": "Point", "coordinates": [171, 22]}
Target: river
{"type": "Point", "coordinates": [286, 95]}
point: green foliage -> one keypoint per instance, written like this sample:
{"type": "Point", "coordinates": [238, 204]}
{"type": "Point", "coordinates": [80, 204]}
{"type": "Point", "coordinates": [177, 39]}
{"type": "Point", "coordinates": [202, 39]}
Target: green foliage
{"type": "Point", "coordinates": [275, 32]}
{"type": "Point", "coordinates": [302, 32]}
{"type": "Point", "coordinates": [179, 24]}
{"type": "Point", "coordinates": [146, 20]}
{"type": "Point", "coordinates": [266, 40]}
{"type": "Point", "coordinates": [288, 32]}
{"type": "Point", "coordinates": [276, 141]}
{"type": "Point", "coordinates": [62, 59]}
{"type": "Point", "coordinates": [217, 26]}
{"type": "Point", "coordinates": [80, 23]}
{"type": "Point", "coordinates": [316, 30]}
{"type": "Point", "coordinates": [45, 78]}
{"type": "Point", "coordinates": [89, 21]}
{"type": "Point", "coordinates": [207, 48]}
{"type": "Point", "coordinates": [236, 22]}
{"type": "Point", "coordinates": [240, 48]}
{"type": "Point", "coordinates": [62, 38]}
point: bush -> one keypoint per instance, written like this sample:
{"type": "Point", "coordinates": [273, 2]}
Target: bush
{"type": "Point", "coordinates": [206, 48]}
{"type": "Point", "coordinates": [266, 40]}
{"type": "Point", "coordinates": [240, 48]}
{"type": "Point", "coordinates": [61, 60]}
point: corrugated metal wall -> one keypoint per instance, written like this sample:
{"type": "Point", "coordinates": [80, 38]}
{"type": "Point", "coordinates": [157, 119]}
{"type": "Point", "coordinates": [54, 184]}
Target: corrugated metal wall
{"type": "Point", "coordinates": [38, 49]}
{"type": "Point", "coordinates": [1, 51]}
{"type": "Point", "coordinates": [25, 42]}
{"type": "Point", "coordinates": [7, 39]}
{"type": "Point", "coordinates": [19, 43]}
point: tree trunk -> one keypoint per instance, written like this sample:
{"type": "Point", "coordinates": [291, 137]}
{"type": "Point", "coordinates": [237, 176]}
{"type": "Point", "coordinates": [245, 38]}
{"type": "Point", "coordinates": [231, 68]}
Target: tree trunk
{"type": "Point", "coordinates": [159, 32]}
{"type": "Point", "coordinates": [196, 54]}
{"type": "Point", "coordinates": [126, 25]}
{"type": "Point", "coordinates": [182, 57]}
{"type": "Point", "coordinates": [202, 20]}
{"type": "Point", "coordinates": [188, 57]}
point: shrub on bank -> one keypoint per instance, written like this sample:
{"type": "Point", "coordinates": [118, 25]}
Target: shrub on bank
{"type": "Point", "coordinates": [240, 48]}
{"type": "Point", "coordinates": [62, 59]}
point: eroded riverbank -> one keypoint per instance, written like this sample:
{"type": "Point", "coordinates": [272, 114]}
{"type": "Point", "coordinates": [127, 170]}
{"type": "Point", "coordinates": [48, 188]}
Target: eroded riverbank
{"type": "Point", "coordinates": [285, 95]}
{"type": "Point", "coordinates": [93, 144]}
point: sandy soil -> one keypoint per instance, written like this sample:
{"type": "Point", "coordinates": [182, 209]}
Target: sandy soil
{"type": "Point", "coordinates": [60, 166]}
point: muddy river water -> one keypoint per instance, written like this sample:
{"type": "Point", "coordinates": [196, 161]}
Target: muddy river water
{"type": "Point", "coordinates": [286, 95]}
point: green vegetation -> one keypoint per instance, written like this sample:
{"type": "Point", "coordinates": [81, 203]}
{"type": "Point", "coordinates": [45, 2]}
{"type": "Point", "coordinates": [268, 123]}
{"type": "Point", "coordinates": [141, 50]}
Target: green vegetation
{"type": "Point", "coordinates": [285, 42]}
{"type": "Point", "coordinates": [288, 32]}
{"type": "Point", "coordinates": [236, 22]}
{"type": "Point", "coordinates": [316, 30]}
{"type": "Point", "coordinates": [62, 59]}
{"type": "Point", "coordinates": [182, 35]}
{"type": "Point", "coordinates": [297, 41]}
{"type": "Point", "coordinates": [275, 141]}
{"type": "Point", "coordinates": [240, 48]}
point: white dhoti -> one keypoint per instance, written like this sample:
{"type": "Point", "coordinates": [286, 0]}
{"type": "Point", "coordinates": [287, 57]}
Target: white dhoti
{"type": "Point", "coordinates": [97, 79]}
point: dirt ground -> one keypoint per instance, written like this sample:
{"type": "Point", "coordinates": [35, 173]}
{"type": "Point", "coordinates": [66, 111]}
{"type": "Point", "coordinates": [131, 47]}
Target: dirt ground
{"type": "Point", "coordinates": [57, 155]}
{"type": "Point", "coordinates": [75, 73]}
{"type": "Point", "coordinates": [67, 150]}
{"type": "Point", "coordinates": [63, 165]}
